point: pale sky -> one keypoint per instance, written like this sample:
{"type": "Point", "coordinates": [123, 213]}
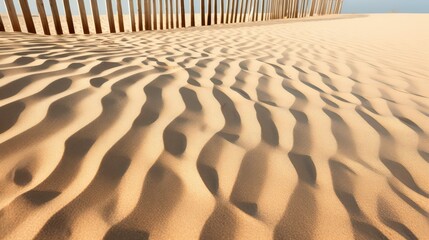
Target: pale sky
{"type": "Point", "coordinates": [350, 6]}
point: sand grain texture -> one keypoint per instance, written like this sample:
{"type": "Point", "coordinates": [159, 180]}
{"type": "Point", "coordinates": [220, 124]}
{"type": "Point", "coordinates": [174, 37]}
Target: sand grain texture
{"type": "Point", "coordinates": [313, 129]}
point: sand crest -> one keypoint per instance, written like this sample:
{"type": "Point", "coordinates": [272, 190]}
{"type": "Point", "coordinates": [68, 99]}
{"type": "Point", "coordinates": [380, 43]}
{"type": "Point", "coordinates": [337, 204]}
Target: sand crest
{"type": "Point", "coordinates": [305, 129]}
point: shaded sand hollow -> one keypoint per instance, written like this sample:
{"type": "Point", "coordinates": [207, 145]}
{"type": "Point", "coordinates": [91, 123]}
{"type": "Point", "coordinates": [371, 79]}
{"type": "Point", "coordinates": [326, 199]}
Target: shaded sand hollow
{"type": "Point", "coordinates": [312, 129]}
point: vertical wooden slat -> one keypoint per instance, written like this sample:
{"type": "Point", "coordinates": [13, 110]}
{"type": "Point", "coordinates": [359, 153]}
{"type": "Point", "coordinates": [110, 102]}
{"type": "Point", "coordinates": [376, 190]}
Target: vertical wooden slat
{"type": "Point", "coordinates": [182, 12]}
{"type": "Point", "coordinates": [166, 15]}
{"type": "Point", "coordinates": [155, 16]}
{"type": "Point", "coordinates": [251, 10]}
{"type": "Point", "coordinates": [140, 14]}
{"type": "Point", "coordinates": [132, 15]}
{"type": "Point", "coordinates": [56, 16]}
{"type": "Point", "coordinates": [257, 10]}
{"type": "Point", "coordinates": [236, 10]}
{"type": "Point", "coordinates": [83, 17]}
{"type": "Point", "coordinates": [69, 16]}
{"type": "Point", "coordinates": [192, 13]}
{"type": "Point", "coordinates": [171, 15]}
{"type": "Point", "coordinates": [1, 24]}
{"type": "Point", "coordinates": [215, 11]}
{"type": "Point", "coordinates": [177, 13]}
{"type": "Point", "coordinates": [254, 10]}
{"type": "Point", "coordinates": [149, 17]}
{"type": "Point", "coordinates": [341, 6]}
{"type": "Point", "coordinates": [222, 11]}
{"type": "Point", "coordinates": [203, 13]}
{"type": "Point", "coordinates": [263, 10]}
{"type": "Point", "coordinates": [120, 15]}
{"type": "Point", "coordinates": [241, 11]}
{"type": "Point", "coordinates": [161, 17]}
{"type": "Point", "coordinates": [43, 18]}
{"type": "Point", "coordinates": [228, 3]}
{"type": "Point", "coordinates": [27, 16]}
{"type": "Point", "coordinates": [313, 6]}
{"type": "Point", "coordinates": [96, 16]}
{"type": "Point", "coordinates": [209, 12]}
{"type": "Point", "coordinates": [245, 11]}
{"type": "Point", "coordinates": [231, 20]}
{"type": "Point", "coordinates": [110, 16]}
{"type": "Point", "coordinates": [12, 15]}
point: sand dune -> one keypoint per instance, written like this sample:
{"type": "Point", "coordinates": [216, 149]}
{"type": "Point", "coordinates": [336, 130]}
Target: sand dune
{"type": "Point", "coordinates": [309, 129]}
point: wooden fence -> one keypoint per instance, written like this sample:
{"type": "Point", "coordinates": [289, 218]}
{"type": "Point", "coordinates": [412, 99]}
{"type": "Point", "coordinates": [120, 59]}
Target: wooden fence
{"type": "Point", "coordinates": [164, 14]}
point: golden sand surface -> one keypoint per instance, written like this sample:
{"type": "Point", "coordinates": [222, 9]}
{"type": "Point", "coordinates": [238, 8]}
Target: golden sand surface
{"type": "Point", "coordinates": [305, 129]}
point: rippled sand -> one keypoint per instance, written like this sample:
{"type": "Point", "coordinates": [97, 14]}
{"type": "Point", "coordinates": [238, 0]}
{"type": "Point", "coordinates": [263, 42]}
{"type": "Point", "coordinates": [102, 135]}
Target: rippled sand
{"type": "Point", "coordinates": [315, 129]}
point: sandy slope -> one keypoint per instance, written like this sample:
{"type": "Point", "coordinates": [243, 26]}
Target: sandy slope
{"type": "Point", "coordinates": [299, 130]}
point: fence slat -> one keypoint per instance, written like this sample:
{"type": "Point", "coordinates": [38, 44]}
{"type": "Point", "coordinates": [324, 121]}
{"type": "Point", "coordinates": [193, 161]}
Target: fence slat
{"type": "Point", "coordinates": [83, 16]}
{"type": "Point", "coordinates": [236, 10]}
{"type": "Point", "coordinates": [69, 16]}
{"type": "Point", "coordinates": [140, 14]}
{"type": "Point", "coordinates": [12, 15]}
{"type": "Point", "coordinates": [132, 15]}
{"type": "Point", "coordinates": [1, 25]}
{"type": "Point", "coordinates": [161, 17]}
{"type": "Point", "coordinates": [43, 18]}
{"type": "Point", "coordinates": [56, 16]}
{"type": "Point", "coordinates": [166, 15]}
{"type": "Point", "coordinates": [96, 16]}
{"type": "Point", "coordinates": [149, 15]}
{"type": "Point", "coordinates": [177, 13]}
{"type": "Point", "coordinates": [133, 19]}
{"type": "Point", "coordinates": [222, 11]}
{"type": "Point", "coordinates": [155, 16]}
{"type": "Point", "coordinates": [120, 15]}
{"type": "Point", "coordinates": [110, 16]}
{"type": "Point", "coordinates": [27, 16]}
{"type": "Point", "coordinates": [192, 14]}
{"type": "Point", "coordinates": [171, 15]}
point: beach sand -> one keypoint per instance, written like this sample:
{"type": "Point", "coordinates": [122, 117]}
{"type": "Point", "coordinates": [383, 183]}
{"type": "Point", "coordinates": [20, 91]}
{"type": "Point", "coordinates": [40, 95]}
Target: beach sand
{"type": "Point", "coordinates": [288, 129]}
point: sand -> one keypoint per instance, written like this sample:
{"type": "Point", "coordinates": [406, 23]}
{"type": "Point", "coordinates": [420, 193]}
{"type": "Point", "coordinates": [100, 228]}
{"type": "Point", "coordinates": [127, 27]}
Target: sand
{"type": "Point", "coordinates": [305, 129]}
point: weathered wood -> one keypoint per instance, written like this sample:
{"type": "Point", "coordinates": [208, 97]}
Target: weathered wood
{"type": "Point", "coordinates": [203, 13]}
{"type": "Point", "coordinates": [120, 15]}
{"type": "Point", "coordinates": [155, 15]}
{"type": "Point", "coordinates": [56, 16]}
{"type": "Point", "coordinates": [1, 25]}
{"type": "Point", "coordinates": [209, 12]}
{"type": "Point", "coordinates": [132, 15]}
{"type": "Point", "coordinates": [83, 16]}
{"type": "Point", "coordinates": [43, 18]}
{"type": "Point", "coordinates": [263, 10]}
{"type": "Point", "coordinates": [222, 11]}
{"type": "Point", "coordinates": [12, 15]}
{"type": "Point", "coordinates": [232, 11]}
{"type": "Point", "coordinates": [161, 17]}
{"type": "Point", "coordinates": [69, 16]}
{"type": "Point", "coordinates": [27, 16]}
{"type": "Point", "coordinates": [149, 17]}
{"type": "Point", "coordinates": [177, 13]}
{"type": "Point", "coordinates": [182, 13]}
{"type": "Point", "coordinates": [166, 15]}
{"type": "Point", "coordinates": [96, 16]}
{"type": "Point", "coordinates": [228, 4]}
{"type": "Point", "coordinates": [215, 11]}
{"type": "Point", "coordinates": [171, 15]}
{"type": "Point", "coordinates": [236, 10]}
{"type": "Point", "coordinates": [110, 16]}
{"type": "Point", "coordinates": [140, 14]}
{"type": "Point", "coordinates": [245, 11]}
{"type": "Point", "coordinates": [241, 11]}
{"type": "Point", "coordinates": [192, 14]}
